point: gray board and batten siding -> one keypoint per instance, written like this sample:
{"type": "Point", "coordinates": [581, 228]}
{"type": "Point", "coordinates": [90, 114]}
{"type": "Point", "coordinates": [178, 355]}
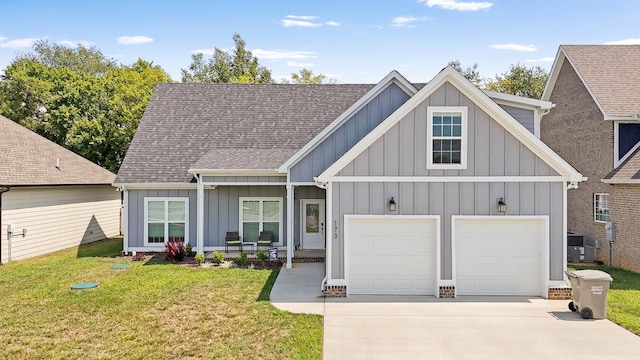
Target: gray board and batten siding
{"type": "Point", "coordinates": [349, 133]}
{"type": "Point", "coordinates": [221, 210]}
{"type": "Point", "coordinates": [492, 151]}
{"type": "Point", "coordinates": [524, 116]}
{"type": "Point", "coordinates": [244, 179]}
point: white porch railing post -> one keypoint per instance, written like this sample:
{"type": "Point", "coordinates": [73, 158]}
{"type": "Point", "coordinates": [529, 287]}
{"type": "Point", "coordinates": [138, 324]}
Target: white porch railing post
{"type": "Point", "coordinates": [200, 216]}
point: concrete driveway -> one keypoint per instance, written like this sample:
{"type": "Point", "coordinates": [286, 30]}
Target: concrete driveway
{"type": "Point", "coordinates": [421, 327]}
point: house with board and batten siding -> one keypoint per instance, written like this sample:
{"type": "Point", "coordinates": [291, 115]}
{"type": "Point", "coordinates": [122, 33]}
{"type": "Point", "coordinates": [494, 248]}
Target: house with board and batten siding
{"type": "Point", "coordinates": [50, 198]}
{"type": "Point", "coordinates": [432, 189]}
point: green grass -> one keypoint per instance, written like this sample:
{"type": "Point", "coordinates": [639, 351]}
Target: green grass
{"type": "Point", "coordinates": [150, 311]}
{"type": "Point", "coordinates": [624, 297]}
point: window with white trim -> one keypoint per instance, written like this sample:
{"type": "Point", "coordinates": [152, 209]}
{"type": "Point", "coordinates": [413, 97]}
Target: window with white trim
{"type": "Point", "coordinates": [447, 137]}
{"type": "Point", "coordinates": [165, 219]}
{"type": "Point", "coordinates": [601, 207]}
{"type": "Point", "coordinates": [260, 214]}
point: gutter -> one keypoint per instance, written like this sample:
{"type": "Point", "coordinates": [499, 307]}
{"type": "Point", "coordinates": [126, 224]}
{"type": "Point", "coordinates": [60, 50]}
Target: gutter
{"type": "Point", "coordinates": [3, 189]}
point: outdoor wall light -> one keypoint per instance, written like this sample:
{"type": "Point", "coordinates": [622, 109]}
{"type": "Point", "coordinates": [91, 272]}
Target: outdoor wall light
{"type": "Point", "coordinates": [502, 206]}
{"type": "Point", "coordinates": [392, 204]}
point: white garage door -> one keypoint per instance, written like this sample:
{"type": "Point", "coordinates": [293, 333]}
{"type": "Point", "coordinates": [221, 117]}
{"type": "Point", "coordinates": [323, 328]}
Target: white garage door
{"type": "Point", "coordinates": [500, 256]}
{"type": "Point", "coordinates": [391, 255]}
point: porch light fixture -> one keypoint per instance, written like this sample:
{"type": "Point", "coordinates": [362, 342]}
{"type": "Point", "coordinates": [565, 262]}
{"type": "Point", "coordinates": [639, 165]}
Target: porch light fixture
{"type": "Point", "coordinates": [502, 206]}
{"type": "Point", "coordinates": [392, 204]}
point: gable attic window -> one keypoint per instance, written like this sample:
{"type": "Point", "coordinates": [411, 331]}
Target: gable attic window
{"type": "Point", "coordinates": [165, 219]}
{"type": "Point", "coordinates": [447, 137]}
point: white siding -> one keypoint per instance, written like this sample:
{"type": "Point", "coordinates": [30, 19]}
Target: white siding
{"type": "Point", "coordinates": [58, 218]}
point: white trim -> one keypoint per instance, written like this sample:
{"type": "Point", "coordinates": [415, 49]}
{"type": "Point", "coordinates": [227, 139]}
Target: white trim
{"type": "Point", "coordinates": [329, 233]}
{"type": "Point", "coordinates": [518, 100]}
{"type": "Point", "coordinates": [166, 219]}
{"type": "Point", "coordinates": [345, 241]}
{"type": "Point", "coordinates": [463, 110]}
{"type": "Point", "coordinates": [290, 215]}
{"type": "Point", "coordinates": [337, 282]}
{"type": "Point", "coordinates": [564, 228]}
{"type": "Point", "coordinates": [620, 181]}
{"type": "Point", "coordinates": [559, 283]}
{"type": "Point", "coordinates": [446, 179]}
{"type": "Point", "coordinates": [236, 183]}
{"type": "Point", "coordinates": [235, 172]}
{"type": "Point", "coordinates": [200, 216]}
{"type": "Point", "coordinates": [544, 250]}
{"type": "Point", "coordinates": [302, 220]}
{"type": "Point", "coordinates": [167, 186]}
{"type": "Point", "coordinates": [125, 220]}
{"type": "Point", "coordinates": [308, 183]}
{"type": "Point", "coordinates": [616, 144]}
{"type": "Point", "coordinates": [393, 77]}
{"type": "Point", "coordinates": [482, 101]}
{"type": "Point", "coordinates": [594, 208]}
{"type": "Point", "coordinates": [261, 200]}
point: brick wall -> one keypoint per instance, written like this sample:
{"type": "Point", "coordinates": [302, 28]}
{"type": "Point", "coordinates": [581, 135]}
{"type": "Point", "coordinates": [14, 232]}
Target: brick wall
{"type": "Point", "coordinates": [576, 130]}
{"type": "Point", "coordinates": [625, 212]}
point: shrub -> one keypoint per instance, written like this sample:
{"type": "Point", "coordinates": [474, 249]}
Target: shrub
{"type": "Point", "coordinates": [218, 257]}
{"type": "Point", "coordinates": [188, 249]}
{"type": "Point", "coordinates": [200, 259]}
{"type": "Point", "coordinates": [241, 259]}
{"type": "Point", "coordinates": [175, 250]}
{"type": "Point", "coordinates": [262, 255]}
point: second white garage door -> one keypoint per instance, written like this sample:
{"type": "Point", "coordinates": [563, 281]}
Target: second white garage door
{"type": "Point", "coordinates": [391, 255]}
{"type": "Point", "coordinates": [500, 256]}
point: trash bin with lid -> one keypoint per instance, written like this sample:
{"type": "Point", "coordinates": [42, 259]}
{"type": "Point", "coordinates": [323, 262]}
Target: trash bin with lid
{"type": "Point", "coordinates": [590, 289]}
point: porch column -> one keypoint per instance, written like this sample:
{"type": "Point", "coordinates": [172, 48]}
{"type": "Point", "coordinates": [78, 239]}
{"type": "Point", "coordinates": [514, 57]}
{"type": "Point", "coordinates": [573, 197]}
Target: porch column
{"type": "Point", "coordinates": [125, 220]}
{"type": "Point", "coordinates": [200, 216]}
{"type": "Point", "coordinates": [290, 211]}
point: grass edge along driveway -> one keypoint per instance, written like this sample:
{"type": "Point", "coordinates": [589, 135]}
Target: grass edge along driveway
{"type": "Point", "coordinates": [155, 310]}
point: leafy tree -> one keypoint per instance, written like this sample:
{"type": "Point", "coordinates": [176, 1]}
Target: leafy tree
{"type": "Point", "coordinates": [471, 73]}
{"type": "Point", "coordinates": [239, 67]}
{"type": "Point", "coordinates": [521, 81]}
{"type": "Point", "coordinates": [91, 108]}
{"type": "Point", "coordinates": [306, 76]}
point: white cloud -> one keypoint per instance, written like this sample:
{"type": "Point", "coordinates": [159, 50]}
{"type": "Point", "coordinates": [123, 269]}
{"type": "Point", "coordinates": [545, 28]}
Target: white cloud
{"type": "Point", "coordinates": [302, 17]}
{"type": "Point", "coordinates": [458, 5]}
{"type": "Point", "coordinates": [515, 47]}
{"type": "Point", "coordinates": [624, 42]}
{"type": "Point", "coordinates": [542, 59]}
{"type": "Point", "coordinates": [299, 64]}
{"type": "Point", "coordinates": [283, 54]}
{"type": "Point", "coordinates": [204, 51]}
{"type": "Point", "coordinates": [304, 21]}
{"type": "Point", "coordinates": [73, 44]}
{"type": "Point", "coordinates": [17, 43]}
{"type": "Point", "coordinates": [134, 40]}
{"type": "Point", "coordinates": [2, 38]}
{"type": "Point", "coordinates": [406, 21]}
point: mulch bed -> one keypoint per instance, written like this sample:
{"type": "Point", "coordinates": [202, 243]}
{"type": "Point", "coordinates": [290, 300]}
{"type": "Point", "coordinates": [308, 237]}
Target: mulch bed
{"type": "Point", "coordinates": [191, 262]}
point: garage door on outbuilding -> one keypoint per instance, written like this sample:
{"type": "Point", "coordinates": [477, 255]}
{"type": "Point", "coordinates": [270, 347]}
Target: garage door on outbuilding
{"type": "Point", "coordinates": [391, 254]}
{"type": "Point", "coordinates": [505, 255]}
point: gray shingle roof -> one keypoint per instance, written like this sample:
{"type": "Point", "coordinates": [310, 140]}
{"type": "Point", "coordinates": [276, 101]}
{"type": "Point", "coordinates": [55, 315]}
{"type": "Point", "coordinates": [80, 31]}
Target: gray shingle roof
{"type": "Point", "coordinates": [229, 126]}
{"type": "Point", "coordinates": [27, 158]}
{"type": "Point", "coordinates": [612, 73]}
{"type": "Point", "coordinates": [629, 170]}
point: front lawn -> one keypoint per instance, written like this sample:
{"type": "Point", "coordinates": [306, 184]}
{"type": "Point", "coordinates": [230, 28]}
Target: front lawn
{"type": "Point", "coordinates": [159, 311]}
{"type": "Point", "coordinates": [624, 296]}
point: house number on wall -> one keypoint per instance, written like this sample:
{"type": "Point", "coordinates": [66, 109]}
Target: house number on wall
{"type": "Point", "coordinates": [335, 229]}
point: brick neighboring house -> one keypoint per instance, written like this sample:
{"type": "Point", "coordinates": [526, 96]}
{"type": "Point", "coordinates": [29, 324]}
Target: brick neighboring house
{"type": "Point", "coordinates": [595, 126]}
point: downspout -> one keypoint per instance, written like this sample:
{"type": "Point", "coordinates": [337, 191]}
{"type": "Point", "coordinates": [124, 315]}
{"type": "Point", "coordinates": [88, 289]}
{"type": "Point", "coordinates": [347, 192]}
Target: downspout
{"type": "Point", "coordinates": [3, 190]}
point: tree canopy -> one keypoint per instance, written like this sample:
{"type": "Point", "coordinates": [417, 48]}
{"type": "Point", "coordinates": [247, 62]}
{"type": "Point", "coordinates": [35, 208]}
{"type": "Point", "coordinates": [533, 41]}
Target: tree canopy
{"type": "Point", "coordinates": [239, 67]}
{"type": "Point", "coordinates": [520, 80]}
{"type": "Point", "coordinates": [471, 73]}
{"type": "Point", "coordinates": [306, 76]}
{"type": "Point", "coordinates": [79, 98]}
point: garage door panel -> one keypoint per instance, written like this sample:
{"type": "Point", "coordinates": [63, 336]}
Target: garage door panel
{"type": "Point", "coordinates": [391, 256]}
{"type": "Point", "coordinates": [499, 256]}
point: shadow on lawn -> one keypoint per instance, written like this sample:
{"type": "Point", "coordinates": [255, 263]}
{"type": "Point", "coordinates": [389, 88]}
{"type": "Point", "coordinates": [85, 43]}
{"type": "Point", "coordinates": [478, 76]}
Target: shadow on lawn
{"type": "Point", "coordinates": [103, 248]}
{"type": "Point", "coordinates": [268, 285]}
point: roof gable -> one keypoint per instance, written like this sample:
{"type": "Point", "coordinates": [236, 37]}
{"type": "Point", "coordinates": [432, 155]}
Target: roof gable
{"type": "Point", "coordinates": [610, 73]}
{"type": "Point", "coordinates": [28, 159]}
{"type": "Point", "coordinates": [480, 99]}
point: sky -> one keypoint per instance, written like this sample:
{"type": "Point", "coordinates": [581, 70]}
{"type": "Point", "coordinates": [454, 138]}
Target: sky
{"type": "Point", "coordinates": [351, 41]}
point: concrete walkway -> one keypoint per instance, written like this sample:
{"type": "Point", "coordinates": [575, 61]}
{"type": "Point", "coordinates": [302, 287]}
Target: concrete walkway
{"type": "Point", "coordinates": [421, 327]}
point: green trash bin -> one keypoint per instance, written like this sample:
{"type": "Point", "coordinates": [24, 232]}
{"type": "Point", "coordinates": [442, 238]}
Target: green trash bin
{"type": "Point", "coordinates": [590, 289]}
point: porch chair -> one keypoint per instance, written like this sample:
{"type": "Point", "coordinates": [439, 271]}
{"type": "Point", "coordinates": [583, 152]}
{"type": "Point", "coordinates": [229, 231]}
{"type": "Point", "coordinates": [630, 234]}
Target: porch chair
{"type": "Point", "coordinates": [264, 239]}
{"type": "Point", "coordinates": [232, 239]}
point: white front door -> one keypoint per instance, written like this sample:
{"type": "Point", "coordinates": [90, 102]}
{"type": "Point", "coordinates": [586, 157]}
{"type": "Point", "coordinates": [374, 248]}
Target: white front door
{"type": "Point", "coordinates": [313, 227]}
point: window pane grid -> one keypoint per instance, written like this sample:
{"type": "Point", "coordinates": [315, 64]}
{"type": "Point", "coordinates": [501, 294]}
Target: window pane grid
{"type": "Point", "coordinates": [166, 221]}
{"type": "Point", "coordinates": [446, 137]}
{"type": "Point", "coordinates": [601, 207]}
{"type": "Point", "coordinates": [260, 215]}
